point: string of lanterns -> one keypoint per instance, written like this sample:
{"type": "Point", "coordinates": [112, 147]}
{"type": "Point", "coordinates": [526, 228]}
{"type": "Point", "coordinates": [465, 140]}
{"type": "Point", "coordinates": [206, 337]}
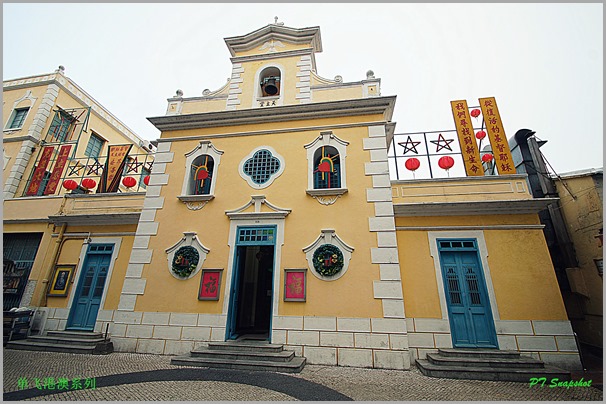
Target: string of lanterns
{"type": "Point", "coordinates": [89, 183]}
{"type": "Point", "coordinates": [447, 162]}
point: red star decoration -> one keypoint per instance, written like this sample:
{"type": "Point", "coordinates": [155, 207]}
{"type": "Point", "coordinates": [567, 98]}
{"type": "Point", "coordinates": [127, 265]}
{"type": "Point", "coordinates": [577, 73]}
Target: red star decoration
{"type": "Point", "coordinates": [408, 148]}
{"type": "Point", "coordinates": [75, 169]}
{"type": "Point", "coordinates": [94, 168]}
{"type": "Point", "coordinates": [438, 143]}
{"type": "Point", "coordinates": [133, 165]}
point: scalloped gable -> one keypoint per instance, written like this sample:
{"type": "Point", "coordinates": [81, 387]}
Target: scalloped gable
{"type": "Point", "coordinates": [261, 40]}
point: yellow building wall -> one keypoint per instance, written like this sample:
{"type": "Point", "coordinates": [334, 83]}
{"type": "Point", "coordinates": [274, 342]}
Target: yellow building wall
{"type": "Point", "coordinates": [11, 150]}
{"type": "Point", "coordinates": [584, 218]}
{"type": "Point", "coordinates": [518, 260]}
{"type": "Point", "coordinates": [302, 226]}
{"type": "Point", "coordinates": [95, 124]}
{"type": "Point", "coordinates": [70, 253]}
{"type": "Point", "coordinates": [106, 131]}
{"type": "Point", "coordinates": [10, 96]}
{"type": "Point", "coordinates": [194, 107]}
{"type": "Point", "coordinates": [288, 89]}
{"type": "Point", "coordinates": [346, 93]}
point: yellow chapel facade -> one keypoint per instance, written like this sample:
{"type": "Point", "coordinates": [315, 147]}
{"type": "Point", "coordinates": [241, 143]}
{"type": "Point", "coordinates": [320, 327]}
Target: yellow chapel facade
{"type": "Point", "coordinates": [270, 214]}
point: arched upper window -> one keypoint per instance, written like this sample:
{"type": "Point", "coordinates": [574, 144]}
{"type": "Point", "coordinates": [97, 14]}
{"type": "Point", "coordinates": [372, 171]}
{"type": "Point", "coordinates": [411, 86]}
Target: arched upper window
{"type": "Point", "coordinates": [201, 175]}
{"type": "Point", "coordinates": [327, 168]}
{"type": "Point", "coordinates": [269, 81]}
{"type": "Point", "coordinates": [326, 159]}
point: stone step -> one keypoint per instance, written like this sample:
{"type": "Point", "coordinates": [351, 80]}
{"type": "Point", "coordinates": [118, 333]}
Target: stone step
{"type": "Point", "coordinates": [478, 353]}
{"type": "Point", "coordinates": [490, 373]}
{"type": "Point", "coordinates": [506, 362]}
{"type": "Point", "coordinates": [229, 355]}
{"type": "Point", "coordinates": [251, 346]}
{"type": "Point", "coordinates": [295, 365]}
{"type": "Point", "coordinates": [75, 334]}
{"type": "Point", "coordinates": [29, 345]}
{"type": "Point", "coordinates": [65, 340]}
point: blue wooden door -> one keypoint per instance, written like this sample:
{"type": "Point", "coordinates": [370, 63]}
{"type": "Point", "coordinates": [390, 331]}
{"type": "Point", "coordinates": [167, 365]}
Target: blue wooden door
{"type": "Point", "coordinates": [469, 312]}
{"type": "Point", "coordinates": [89, 291]}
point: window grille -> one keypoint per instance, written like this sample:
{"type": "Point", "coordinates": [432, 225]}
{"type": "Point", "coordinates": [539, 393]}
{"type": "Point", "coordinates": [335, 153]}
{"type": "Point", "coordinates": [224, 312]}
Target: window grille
{"type": "Point", "coordinates": [94, 146]}
{"type": "Point", "coordinates": [261, 166]}
{"type": "Point", "coordinates": [201, 175]}
{"type": "Point", "coordinates": [18, 118]}
{"type": "Point", "coordinates": [327, 168]}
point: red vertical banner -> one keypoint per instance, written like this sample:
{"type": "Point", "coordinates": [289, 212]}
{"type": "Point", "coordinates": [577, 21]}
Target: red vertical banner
{"type": "Point", "coordinates": [34, 184]}
{"type": "Point", "coordinates": [114, 165]}
{"type": "Point", "coordinates": [497, 137]}
{"type": "Point", "coordinates": [469, 147]}
{"type": "Point", "coordinates": [53, 181]}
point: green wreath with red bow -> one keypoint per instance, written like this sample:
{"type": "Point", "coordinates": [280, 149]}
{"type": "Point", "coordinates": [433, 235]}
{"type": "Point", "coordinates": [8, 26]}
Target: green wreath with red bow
{"type": "Point", "coordinates": [185, 261]}
{"type": "Point", "coordinates": [328, 260]}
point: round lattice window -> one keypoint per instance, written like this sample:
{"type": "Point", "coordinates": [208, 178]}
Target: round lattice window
{"type": "Point", "coordinates": [328, 260]}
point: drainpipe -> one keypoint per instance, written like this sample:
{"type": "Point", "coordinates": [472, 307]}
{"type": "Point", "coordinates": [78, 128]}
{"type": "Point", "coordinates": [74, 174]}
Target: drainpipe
{"type": "Point", "coordinates": [60, 241]}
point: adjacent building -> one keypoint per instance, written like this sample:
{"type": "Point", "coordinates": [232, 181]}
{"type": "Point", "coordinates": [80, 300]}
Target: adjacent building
{"type": "Point", "coordinates": [56, 139]}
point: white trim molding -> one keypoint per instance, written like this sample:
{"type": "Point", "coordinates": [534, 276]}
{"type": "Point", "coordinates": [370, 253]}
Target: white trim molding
{"type": "Point", "coordinates": [257, 200]}
{"type": "Point", "coordinates": [258, 97]}
{"type": "Point", "coordinates": [326, 138]}
{"type": "Point", "coordinates": [26, 97]}
{"type": "Point", "coordinates": [189, 239]}
{"type": "Point", "coordinates": [205, 147]}
{"type": "Point", "coordinates": [237, 221]}
{"type": "Point", "coordinates": [272, 177]}
{"type": "Point", "coordinates": [117, 242]}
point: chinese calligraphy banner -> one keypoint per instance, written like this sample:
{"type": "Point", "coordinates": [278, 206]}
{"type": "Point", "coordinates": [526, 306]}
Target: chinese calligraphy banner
{"type": "Point", "coordinates": [497, 137]}
{"type": "Point", "coordinates": [210, 284]}
{"type": "Point", "coordinates": [295, 285]}
{"type": "Point", "coordinates": [114, 165]}
{"type": "Point", "coordinates": [469, 148]}
{"type": "Point", "coordinates": [53, 182]}
{"type": "Point", "coordinates": [34, 185]}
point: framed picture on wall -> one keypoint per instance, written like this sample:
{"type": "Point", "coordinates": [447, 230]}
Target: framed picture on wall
{"type": "Point", "coordinates": [295, 285]}
{"type": "Point", "coordinates": [210, 284]}
{"type": "Point", "coordinates": [61, 280]}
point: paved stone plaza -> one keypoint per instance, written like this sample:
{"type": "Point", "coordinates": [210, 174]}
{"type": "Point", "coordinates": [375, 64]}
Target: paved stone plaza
{"type": "Point", "coordinates": [134, 377]}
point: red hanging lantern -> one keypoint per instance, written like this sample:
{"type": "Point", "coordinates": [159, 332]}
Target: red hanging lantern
{"type": "Point", "coordinates": [475, 113]}
{"type": "Point", "coordinates": [146, 180]}
{"type": "Point", "coordinates": [480, 134]}
{"type": "Point", "coordinates": [89, 183]}
{"type": "Point", "coordinates": [324, 167]}
{"type": "Point", "coordinates": [70, 185]}
{"type": "Point", "coordinates": [129, 182]}
{"type": "Point", "coordinates": [487, 158]}
{"type": "Point", "coordinates": [446, 162]}
{"type": "Point", "coordinates": [412, 163]}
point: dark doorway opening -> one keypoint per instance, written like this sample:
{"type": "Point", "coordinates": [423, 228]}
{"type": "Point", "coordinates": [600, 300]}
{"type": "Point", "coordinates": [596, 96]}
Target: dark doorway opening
{"type": "Point", "coordinates": [252, 297]}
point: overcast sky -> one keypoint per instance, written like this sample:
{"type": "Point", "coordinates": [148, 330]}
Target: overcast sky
{"type": "Point", "coordinates": [542, 62]}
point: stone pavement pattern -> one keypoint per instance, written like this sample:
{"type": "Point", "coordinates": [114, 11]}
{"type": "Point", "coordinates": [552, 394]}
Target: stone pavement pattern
{"type": "Point", "coordinates": [356, 383]}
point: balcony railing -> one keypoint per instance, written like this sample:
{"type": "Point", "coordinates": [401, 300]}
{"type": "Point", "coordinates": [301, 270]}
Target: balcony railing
{"type": "Point", "coordinates": [84, 175]}
{"type": "Point", "coordinates": [428, 148]}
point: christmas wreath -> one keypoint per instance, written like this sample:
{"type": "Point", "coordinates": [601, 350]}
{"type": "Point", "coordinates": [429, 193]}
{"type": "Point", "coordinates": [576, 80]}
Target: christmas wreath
{"type": "Point", "coordinates": [185, 261]}
{"type": "Point", "coordinates": [328, 260]}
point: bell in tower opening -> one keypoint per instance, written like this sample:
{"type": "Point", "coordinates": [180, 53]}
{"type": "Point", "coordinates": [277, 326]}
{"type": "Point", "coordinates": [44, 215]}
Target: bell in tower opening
{"type": "Point", "coordinates": [270, 86]}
